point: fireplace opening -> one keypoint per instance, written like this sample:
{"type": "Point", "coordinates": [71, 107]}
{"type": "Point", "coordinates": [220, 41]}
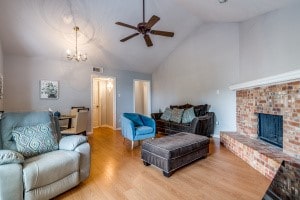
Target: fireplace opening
{"type": "Point", "coordinates": [270, 128]}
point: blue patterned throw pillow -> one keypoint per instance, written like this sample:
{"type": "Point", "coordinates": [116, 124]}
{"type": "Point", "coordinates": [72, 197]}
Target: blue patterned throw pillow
{"type": "Point", "coordinates": [176, 115]}
{"type": "Point", "coordinates": [35, 140]}
{"type": "Point", "coordinates": [167, 114]}
{"type": "Point", "coordinates": [188, 115]}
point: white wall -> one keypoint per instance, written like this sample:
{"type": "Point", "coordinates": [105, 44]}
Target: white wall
{"type": "Point", "coordinates": [270, 44]}
{"type": "Point", "coordinates": [22, 75]}
{"type": "Point", "coordinates": [1, 72]}
{"type": "Point", "coordinates": [205, 63]}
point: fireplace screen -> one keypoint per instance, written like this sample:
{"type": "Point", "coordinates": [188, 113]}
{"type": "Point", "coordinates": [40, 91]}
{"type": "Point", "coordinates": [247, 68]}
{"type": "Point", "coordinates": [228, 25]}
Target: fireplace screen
{"type": "Point", "coordinates": [270, 128]}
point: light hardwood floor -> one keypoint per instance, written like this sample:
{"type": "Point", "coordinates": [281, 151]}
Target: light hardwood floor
{"type": "Point", "coordinates": [117, 172]}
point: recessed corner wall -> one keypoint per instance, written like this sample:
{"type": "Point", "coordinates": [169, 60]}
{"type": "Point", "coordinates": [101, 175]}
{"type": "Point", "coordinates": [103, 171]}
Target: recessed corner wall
{"type": "Point", "coordinates": [200, 71]}
{"type": "Point", "coordinates": [270, 44]}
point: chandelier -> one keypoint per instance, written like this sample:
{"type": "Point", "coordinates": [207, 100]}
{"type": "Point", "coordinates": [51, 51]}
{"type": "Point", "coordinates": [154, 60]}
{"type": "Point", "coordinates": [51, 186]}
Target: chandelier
{"type": "Point", "coordinates": [78, 56]}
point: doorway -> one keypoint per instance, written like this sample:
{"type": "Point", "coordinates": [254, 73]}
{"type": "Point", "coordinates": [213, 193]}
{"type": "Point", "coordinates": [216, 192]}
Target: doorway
{"type": "Point", "coordinates": [103, 102]}
{"type": "Point", "coordinates": [142, 97]}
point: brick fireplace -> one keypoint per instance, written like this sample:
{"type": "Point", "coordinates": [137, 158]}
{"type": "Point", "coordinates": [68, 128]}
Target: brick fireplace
{"type": "Point", "coordinates": [281, 99]}
{"type": "Point", "coordinates": [277, 99]}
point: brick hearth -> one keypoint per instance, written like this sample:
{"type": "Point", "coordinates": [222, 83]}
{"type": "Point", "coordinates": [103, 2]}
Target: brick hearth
{"type": "Point", "coordinates": [262, 156]}
{"type": "Point", "coordinates": [281, 99]}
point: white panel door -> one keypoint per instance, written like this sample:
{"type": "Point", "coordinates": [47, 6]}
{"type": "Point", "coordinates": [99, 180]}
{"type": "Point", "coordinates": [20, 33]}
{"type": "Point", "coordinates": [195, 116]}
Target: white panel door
{"type": "Point", "coordinates": [95, 106]}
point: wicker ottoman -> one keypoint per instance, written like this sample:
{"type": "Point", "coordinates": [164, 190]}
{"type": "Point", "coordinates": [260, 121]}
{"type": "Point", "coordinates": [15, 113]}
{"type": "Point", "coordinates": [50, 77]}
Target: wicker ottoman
{"type": "Point", "coordinates": [174, 151]}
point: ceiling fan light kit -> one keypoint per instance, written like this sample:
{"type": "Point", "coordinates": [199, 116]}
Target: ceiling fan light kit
{"type": "Point", "coordinates": [145, 29]}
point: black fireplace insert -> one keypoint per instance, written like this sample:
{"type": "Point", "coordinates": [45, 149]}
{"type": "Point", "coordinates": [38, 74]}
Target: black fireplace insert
{"type": "Point", "coordinates": [270, 128]}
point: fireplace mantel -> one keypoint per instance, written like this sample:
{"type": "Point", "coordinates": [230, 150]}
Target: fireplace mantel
{"type": "Point", "coordinates": [271, 80]}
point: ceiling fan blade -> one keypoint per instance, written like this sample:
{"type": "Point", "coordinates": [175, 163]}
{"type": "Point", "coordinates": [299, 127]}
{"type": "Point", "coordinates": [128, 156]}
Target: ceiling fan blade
{"type": "Point", "coordinates": [153, 20]}
{"type": "Point", "coordinates": [126, 25]}
{"type": "Point", "coordinates": [129, 37]}
{"type": "Point", "coordinates": [162, 33]}
{"type": "Point", "coordinates": [148, 40]}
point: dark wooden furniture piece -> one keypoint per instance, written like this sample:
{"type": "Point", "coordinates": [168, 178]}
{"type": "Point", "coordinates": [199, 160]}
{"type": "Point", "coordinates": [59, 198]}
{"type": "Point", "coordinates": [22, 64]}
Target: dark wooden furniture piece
{"type": "Point", "coordinates": [67, 117]}
{"type": "Point", "coordinates": [174, 151]}
{"type": "Point", "coordinates": [286, 183]}
{"type": "Point", "coordinates": [202, 124]}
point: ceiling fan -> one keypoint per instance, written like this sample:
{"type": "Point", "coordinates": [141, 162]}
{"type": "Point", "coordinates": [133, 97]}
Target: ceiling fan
{"type": "Point", "coordinates": [145, 28]}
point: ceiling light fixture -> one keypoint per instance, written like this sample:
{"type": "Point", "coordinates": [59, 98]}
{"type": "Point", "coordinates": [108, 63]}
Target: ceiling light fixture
{"type": "Point", "coordinates": [78, 56]}
{"type": "Point", "coordinates": [109, 85]}
{"type": "Point", "coordinates": [222, 1]}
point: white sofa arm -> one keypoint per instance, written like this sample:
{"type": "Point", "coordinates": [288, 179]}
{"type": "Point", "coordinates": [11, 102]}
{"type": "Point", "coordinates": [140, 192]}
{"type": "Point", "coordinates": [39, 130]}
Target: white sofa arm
{"type": "Point", "coordinates": [11, 181]}
{"type": "Point", "coordinates": [71, 142]}
{"type": "Point", "coordinates": [10, 157]}
{"type": "Point", "coordinates": [85, 160]}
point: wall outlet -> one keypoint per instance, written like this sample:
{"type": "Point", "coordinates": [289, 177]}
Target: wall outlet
{"type": "Point", "coordinates": [217, 123]}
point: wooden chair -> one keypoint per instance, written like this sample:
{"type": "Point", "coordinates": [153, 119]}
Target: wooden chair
{"type": "Point", "coordinates": [74, 111]}
{"type": "Point", "coordinates": [79, 125]}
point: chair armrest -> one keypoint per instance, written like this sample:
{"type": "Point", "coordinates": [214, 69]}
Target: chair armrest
{"type": "Point", "coordinates": [156, 115]}
{"type": "Point", "coordinates": [10, 157]}
{"type": "Point", "coordinates": [71, 142]}
{"type": "Point", "coordinates": [85, 160]}
{"type": "Point", "coordinates": [128, 129]}
{"type": "Point", "coordinates": [11, 182]}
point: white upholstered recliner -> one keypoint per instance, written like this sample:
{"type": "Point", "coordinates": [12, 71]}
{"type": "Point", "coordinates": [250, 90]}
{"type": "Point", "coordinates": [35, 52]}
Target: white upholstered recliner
{"type": "Point", "coordinates": [45, 175]}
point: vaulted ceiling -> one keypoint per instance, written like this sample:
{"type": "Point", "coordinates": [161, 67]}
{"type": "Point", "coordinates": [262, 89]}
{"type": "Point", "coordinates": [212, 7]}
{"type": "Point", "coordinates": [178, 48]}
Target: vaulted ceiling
{"type": "Point", "coordinates": [44, 28]}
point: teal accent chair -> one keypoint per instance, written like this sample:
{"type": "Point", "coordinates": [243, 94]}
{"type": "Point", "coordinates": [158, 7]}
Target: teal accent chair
{"type": "Point", "coordinates": [136, 127]}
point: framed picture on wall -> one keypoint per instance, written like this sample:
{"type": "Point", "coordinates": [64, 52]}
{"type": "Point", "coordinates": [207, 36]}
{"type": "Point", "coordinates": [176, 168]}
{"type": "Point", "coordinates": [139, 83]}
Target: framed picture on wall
{"type": "Point", "coordinates": [48, 89]}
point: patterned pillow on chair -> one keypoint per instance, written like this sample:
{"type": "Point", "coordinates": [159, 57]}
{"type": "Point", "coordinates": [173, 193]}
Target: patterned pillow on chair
{"type": "Point", "coordinates": [35, 140]}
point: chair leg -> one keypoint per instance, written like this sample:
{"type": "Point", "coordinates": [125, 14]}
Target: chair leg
{"type": "Point", "coordinates": [123, 140]}
{"type": "Point", "coordinates": [132, 143]}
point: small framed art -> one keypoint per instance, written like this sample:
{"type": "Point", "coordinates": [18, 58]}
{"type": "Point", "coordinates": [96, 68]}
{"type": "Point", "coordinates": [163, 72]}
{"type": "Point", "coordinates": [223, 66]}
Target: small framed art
{"type": "Point", "coordinates": [48, 89]}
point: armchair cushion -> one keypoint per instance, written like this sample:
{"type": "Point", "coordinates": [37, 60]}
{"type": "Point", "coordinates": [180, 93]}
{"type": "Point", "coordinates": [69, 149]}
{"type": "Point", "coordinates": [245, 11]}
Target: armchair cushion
{"type": "Point", "coordinates": [35, 140]}
{"type": "Point", "coordinates": [71, 142]}
{"type": "Point", "coordinates": [142, 130]}
{"type": "Point", "coordinates": [48, 168]}
{"type": "Point", "coordinates": [10, 157]}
